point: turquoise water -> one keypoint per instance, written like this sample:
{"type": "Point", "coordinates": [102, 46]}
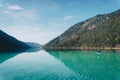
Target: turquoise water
{"type": "Point", "coordinates": [60, 65]}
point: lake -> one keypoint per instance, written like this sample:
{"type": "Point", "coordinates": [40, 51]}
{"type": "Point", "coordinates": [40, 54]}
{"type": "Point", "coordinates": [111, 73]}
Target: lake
{"type": "Point", "coordinates": [60, 65]}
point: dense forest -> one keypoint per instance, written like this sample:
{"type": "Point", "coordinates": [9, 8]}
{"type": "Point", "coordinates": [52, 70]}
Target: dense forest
{"type": "Point", "coordinates": [11, 44]}
{"type": "Point", "coordinates": [101, 31]}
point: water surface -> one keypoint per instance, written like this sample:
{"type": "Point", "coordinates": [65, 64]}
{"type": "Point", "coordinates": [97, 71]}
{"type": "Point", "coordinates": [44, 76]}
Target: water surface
{"type": "Point", "coordinates": [60, 65]}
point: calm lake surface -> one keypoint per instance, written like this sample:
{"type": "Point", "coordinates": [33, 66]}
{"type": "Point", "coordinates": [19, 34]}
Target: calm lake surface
{"type": "Point", "coordinates": [60, 65]}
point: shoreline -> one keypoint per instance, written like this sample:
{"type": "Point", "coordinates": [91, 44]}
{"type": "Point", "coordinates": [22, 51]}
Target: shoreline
{"type": "Point", "coordinates": [82, 48]}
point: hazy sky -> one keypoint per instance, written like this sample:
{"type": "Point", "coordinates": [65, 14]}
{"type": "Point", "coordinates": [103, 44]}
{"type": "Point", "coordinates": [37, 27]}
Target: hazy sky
{"type": "Point", "coordinates": [42, 20]}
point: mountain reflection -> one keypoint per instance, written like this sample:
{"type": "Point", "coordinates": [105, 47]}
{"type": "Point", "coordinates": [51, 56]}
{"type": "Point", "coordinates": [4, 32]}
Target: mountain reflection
{"type": "Point", "coordinates": [36, 66]}
{"type": "Point", "coordinates": [6, 56]}
{"type": "Point", "coordinates": [88, 63]}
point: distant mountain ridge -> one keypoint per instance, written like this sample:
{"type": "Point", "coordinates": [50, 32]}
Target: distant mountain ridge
{"type": "Point", "coordinates": [34, 47]}
{"type": "Point", "coordinates": [11, 44]}
{"type": "Point", "coordinates": [101, 31]}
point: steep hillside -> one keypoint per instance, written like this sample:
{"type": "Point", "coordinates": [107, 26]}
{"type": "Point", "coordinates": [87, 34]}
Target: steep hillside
{"type": "Point", "coordinates": [101, 31]}
{"type": "Point", "coordinates": [11, 44]}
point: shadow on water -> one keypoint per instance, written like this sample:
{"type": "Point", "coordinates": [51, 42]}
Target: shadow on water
{"type": "Point", "coordinates": [90, 64]}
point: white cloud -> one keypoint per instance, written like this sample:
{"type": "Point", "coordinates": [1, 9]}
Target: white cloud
{"type": "Point", "coordinates": [19, 16]}
{"type": "Point", "coordinates": [68, 17]}
{"type": "Point", "coordinates": [6, 12]}
{"type": "Point", "coordinates": [18, 13]}
{"type": "Point", "coordinates": [14, 7]}
{"type": "Point", "coordinates": [9, 9]}
{"type": "Point", "coordinates": [25, 16]}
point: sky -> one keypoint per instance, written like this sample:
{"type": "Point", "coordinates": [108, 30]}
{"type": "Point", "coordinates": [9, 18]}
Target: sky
{"type": "Point", "coordinates": [43, 20]}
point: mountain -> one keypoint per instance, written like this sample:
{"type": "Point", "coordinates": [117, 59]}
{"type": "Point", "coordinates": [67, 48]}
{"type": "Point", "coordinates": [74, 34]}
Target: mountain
{"type": "Point", "coordinates": [11, 44]}
{"type": "Point", "coordinates": [34, 47]}
{"type": "Point", "coordinates": [101, 31]}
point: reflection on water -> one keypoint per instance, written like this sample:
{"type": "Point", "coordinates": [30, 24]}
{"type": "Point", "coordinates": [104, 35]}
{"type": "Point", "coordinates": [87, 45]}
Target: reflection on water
{"type": "Point", "coordinates": [6, 56]}
{"type": "Point", "coordinates": [35, 66]}
{"type": "Point", "coordinates": [102, 66]}
{"type": "Point", "coordinates": [60, 65]}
